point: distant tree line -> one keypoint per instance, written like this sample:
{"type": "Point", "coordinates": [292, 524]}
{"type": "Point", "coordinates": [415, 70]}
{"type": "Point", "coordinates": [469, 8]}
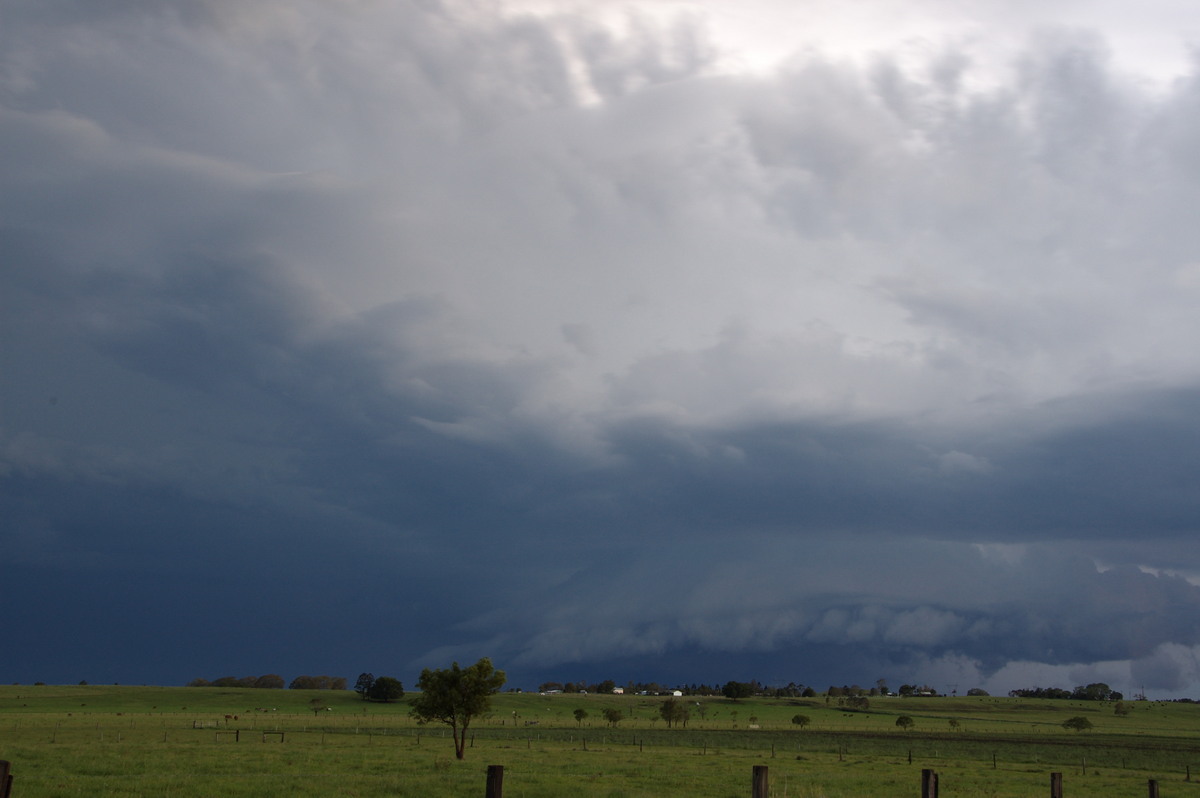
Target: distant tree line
{"type": "Point", "coordinates": [605, 686]}
{"type": "Point", "coordinates": [273, 681]}
{"type": "Point", "coordinates": [386, 688]}
{"type": "Point", "coordinates": [270, 681]}
{"type": "Point", "coordinates": [851, 691]}
{"type": "Point", "coordinates": [909, 690]}
{"type": "Point", "coordinates": [730, 689]}
{"type": "Point", "coordinates": [318, 683]}
{"type": "Point", "coordinates": [737, 690]}
{"type": "Point", "coordinates": [1097, 691]}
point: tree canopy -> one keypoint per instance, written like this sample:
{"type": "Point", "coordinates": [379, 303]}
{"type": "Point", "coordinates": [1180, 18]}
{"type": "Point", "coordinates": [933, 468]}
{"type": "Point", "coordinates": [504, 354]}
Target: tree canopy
{"type": "Point", "coordinates": [736, 690]}
{"type": "Point", "coordinates": [385, 688]}
{"type": "Point", "coordinates": [455, 695]}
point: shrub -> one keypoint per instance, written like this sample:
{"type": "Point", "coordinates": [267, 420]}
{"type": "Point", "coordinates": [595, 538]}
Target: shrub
{"type": "Point", "coordinates": [1078, 723]}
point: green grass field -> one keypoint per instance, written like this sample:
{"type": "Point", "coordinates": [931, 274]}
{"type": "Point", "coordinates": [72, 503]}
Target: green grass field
{"type": "Point", "coordinates": [164, 741]}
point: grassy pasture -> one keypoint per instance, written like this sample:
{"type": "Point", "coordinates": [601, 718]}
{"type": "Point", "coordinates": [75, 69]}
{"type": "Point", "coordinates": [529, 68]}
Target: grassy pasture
{"type": "Point", "coordinates": [162, 741]}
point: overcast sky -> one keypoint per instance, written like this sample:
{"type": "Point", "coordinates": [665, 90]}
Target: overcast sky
{"type": "Point", "coordinates": [672, 340]}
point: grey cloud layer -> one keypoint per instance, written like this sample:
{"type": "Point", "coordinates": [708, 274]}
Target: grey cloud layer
{"type": "Point", "coordinates": [838, 358]}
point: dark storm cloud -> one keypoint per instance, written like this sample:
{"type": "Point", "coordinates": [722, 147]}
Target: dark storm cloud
{"type": "Point", "coordinates": [535, 337]}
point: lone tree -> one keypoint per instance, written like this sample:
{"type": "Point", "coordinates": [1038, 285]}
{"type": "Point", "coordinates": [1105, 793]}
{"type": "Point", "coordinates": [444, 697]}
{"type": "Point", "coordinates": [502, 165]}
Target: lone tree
{"type": "Point", "coordinates": [580, 714]}
{"type": "Point", "coordinates": [1078, 723]}
{"type": "Point", "coordinates": [364, 684]}
{"type": "Point", "coordinates": [456, 695]}
{"type": "Point", "coordinates": [801, 720]}
{"type": "Point", "coordinates": [905, 722]}
{"type": "Point", "coordinates": [613, 716]}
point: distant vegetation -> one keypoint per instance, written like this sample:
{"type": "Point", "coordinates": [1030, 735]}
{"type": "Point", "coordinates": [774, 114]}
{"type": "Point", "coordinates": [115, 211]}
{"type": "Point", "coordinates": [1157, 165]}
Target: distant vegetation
{"type": "Point", "coordinates": [270, 681]}
{"type": "Point", "coordinates": [1098, 691]}
{"type": "Point", "coordinates": [852, 696]}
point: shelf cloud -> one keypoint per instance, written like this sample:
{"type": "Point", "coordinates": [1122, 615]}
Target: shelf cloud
{"type": "Point", "coordinates": [631, 341]}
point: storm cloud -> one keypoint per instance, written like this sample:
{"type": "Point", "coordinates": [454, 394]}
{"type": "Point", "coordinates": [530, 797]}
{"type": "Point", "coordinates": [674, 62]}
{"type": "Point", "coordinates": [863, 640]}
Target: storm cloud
{"type": "Point", "coordinates": [608, 341]}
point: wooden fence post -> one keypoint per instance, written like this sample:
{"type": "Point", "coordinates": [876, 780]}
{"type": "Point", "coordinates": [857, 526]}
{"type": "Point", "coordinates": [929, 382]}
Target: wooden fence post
{"type": "Point", "coordinates": [495, 781]}
{"type": "Point", "coordinates": [1153, 785]}
{"type": "Point", "coordinates": [1056, 785]}
{"type": "Point", "coordinates": [929, 784]}
{"type": "Point", "coordinates": [759, 785]}
{"type": "Point", "coordinates": [6, 778]}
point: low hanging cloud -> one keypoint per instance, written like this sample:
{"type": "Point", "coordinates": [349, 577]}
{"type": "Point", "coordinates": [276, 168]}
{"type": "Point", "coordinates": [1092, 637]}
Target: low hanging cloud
{"type": "Point", "coordinates": [556, 338]}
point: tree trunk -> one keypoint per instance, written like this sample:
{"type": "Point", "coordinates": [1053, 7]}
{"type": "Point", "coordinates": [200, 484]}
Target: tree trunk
{"type": "Point", "coordinates": [460, 739]}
